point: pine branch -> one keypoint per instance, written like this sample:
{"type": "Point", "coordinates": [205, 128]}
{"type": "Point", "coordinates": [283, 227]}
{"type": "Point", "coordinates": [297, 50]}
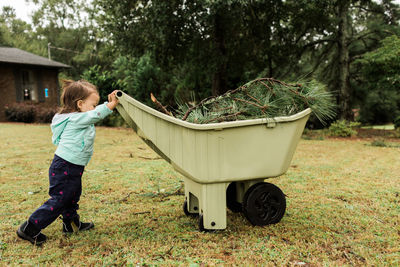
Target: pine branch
{"type": "Point", "coordinates": [159, 105]}
{"type": "Point", "coordinates": [224, 118]}
{"type": "Point", "coordinates": [207, 99]}
{"type": "Point", "coordinates": [250, 103]}
{"type": "Point", "coordinates": [252, 97]}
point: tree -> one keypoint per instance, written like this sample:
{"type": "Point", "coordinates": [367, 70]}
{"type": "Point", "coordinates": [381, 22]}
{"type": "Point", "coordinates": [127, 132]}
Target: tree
{"type": "Point", "coordinates": [380, 93]}
{"type": "Point", "coordinates": [350, 29]}
{"type": "Point", "coordinates": [74, 38]}
{"type": "Point", "coordinates": [216, 45]}
{"type": "Point", "coordinates": [17, 33]}
{"type": "Point", "coordinates": [235, 41]}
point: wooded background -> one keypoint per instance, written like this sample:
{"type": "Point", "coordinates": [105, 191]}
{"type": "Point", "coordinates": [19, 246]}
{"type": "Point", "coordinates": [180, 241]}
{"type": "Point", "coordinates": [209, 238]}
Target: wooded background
{"type": "Point", "coordinates": [188, 50]}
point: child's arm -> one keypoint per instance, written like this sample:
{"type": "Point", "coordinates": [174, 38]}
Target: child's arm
{"type": "Point", "coordinates": [99, 113]}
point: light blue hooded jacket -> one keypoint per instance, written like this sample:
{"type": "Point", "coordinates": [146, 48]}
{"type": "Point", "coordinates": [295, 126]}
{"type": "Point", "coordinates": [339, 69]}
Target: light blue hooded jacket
{"type": "Point", "coordinates": [74, 133]}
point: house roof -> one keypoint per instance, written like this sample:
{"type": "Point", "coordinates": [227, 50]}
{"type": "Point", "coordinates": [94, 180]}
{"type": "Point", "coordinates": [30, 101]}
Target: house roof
{"type": "Point", "coordinates": [18, 56]}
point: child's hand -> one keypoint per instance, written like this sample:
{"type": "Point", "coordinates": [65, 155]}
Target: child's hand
{"type": "Point", "coordinates": [112, 100]}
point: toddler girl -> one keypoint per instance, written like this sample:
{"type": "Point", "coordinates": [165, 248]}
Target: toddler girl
{"type": "Point", "coordinates": [73, 133]}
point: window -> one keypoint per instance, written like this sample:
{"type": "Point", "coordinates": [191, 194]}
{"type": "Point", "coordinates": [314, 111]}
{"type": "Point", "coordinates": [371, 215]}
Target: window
{"type": "Point", "coordinates": [29, 85]}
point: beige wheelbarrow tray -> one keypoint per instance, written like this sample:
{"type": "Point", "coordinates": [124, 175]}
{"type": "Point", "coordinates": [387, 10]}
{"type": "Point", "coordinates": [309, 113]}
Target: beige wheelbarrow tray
{"type": "Point", "coordinates": [224, 164]}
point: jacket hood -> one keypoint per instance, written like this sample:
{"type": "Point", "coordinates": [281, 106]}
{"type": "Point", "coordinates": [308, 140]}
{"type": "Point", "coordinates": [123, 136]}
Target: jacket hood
{"type": "Point", "coordinates": [58, 125]}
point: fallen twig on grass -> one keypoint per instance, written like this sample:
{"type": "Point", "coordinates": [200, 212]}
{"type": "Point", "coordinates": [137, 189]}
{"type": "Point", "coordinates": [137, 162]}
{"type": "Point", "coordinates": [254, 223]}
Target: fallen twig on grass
{"type": "Point", "coordinates": [35, 192]}
{"type": "Point", "coordinates": [162, 194]}
{"type": "Point", "coordinates": [143, 157]}
{"type": "Point", "coordinates": [140, 212]}
{"type": "Point", "coordinates": [163, 255]}
{"type": "Point", "coordinates": [177, 192]}
{"type": "Point", "coordinates": [124, 199]}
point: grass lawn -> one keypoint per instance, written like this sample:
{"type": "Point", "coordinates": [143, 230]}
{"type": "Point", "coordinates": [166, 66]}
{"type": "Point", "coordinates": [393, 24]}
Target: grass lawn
{"type": "Point", "coordinates": [343, 207]}
{"type": "Point", "coordinates": [381, 127]}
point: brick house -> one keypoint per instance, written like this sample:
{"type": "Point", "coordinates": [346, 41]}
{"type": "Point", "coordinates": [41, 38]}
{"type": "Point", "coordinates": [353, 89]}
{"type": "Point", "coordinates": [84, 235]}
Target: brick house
{"type": "Point", "coordinates": [27, 77]}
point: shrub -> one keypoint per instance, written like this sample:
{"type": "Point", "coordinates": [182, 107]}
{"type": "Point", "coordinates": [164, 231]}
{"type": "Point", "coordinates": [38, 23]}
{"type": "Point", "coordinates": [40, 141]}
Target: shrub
{"type": "Point", "coordinates": [141, 76]}
{"type": "Point", "coordinates": [45, 115]}
{"type": "Point", "coordinates": [343, 128]}
{"type": "Point", "coordinates": [103, 80]}
{"type": "Point", "coordinates": [21, 112]}
{"type": "Point", "coordinates": [29, 112]}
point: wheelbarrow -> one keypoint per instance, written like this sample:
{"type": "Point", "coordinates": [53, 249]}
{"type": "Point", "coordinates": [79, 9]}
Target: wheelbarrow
{"type": "Point", "coordinates": [223, 164]}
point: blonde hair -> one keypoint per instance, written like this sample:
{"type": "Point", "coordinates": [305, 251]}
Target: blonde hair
{"type": "Point", "coordinates": [73, 91]}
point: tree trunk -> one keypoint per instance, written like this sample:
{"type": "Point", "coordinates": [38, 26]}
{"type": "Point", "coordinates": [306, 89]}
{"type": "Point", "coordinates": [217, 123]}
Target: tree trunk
{"type": "Point", "coordinates": [344, 68]}
{"type": "Point", "coordinates": [219, 84]}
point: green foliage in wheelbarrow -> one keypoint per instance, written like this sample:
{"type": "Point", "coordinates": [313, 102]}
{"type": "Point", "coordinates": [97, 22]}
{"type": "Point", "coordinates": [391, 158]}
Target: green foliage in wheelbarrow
{"type": "Point", "coordinates": [262, 98]}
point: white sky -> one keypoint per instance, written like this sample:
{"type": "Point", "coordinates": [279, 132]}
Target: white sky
{"type": "Point", "coordinates": [24, 10]}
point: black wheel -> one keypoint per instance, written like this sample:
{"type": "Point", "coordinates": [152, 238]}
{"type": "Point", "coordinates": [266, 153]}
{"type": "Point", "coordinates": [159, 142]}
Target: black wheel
{"type": "Point", "coordinates": [263, 204]}
{"type": "Point", "coordinates": [231, 202]}
{"type": "Point", "coordinates": [186, 210]}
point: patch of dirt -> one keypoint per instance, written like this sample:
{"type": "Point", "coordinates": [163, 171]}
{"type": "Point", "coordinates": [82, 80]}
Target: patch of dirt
{"type": "Point", "coordinates": [362, 135]}
{"type": "Point", "coordinates": [374, 133]}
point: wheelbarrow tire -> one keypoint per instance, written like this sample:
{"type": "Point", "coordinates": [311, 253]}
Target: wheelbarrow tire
{"type": "Point", "coordinates": [264, 204]}
{"type": "Point", "coordinates": [231, 202]}
{"type": "Point", "coordinates": [186, 210]}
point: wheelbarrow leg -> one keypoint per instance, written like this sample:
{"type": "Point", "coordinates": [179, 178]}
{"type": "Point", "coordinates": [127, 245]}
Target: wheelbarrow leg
{"type": "Point", "coordinates": [191, 205]}
{"type": "Point", "coordinates": [213, 207]}
{"type": "Point", "coordinates": [212, 203]}
{"type": "Point", "coordinates": [191, 197]}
